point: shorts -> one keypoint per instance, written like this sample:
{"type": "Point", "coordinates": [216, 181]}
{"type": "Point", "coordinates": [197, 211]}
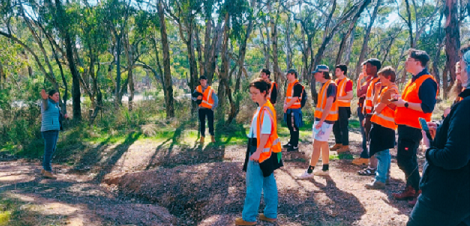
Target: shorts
{"type": "Point", "coordinates": [324, 133]}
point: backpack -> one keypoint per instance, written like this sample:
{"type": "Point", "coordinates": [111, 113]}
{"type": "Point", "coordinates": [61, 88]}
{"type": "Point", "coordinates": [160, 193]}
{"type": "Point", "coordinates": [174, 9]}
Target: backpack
{"type": "Point", "coordinates": [303, 97]}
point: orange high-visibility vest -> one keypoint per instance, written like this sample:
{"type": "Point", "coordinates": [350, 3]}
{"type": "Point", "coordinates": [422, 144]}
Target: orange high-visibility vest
{"type": "Point", "coordinates": [321, 103]}
{"type": "Point", "coordinates": [273, 144]}
{"type": "Point", "coordinates": [341, 92]}
{"type": "Point", "coordinates": [407, 116]}
{"type": "Point", "coordinates": [273, 83]}
{"type": "Point", "coordinates": [290, 95]}
{"type": "Point", "coordinates": [207, 100]}
{"type": "Point", "coordinates": [386, 117]}
{"type": "Point", "coordinates": [368, 105]}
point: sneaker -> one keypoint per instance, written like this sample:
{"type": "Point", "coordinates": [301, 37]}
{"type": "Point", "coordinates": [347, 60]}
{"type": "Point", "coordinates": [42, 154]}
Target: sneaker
{"type": "Point", "coordinates": [240, 221]}
{"type": "Point", "coordinates": [322, 173]}
{"type": "Point", "coordinates": [375, 185]}
{"type": "Point", "coordinates": [288, 145]}
{"type": "Point", "coordinates": [49, 175]}
{"type": "Point", "coordinates": [360, 162]}
{"type": "Point", "coordinates": [267, 219]}
{"type": "Point", "coordinates": [336, 147]}
{"type": "Point", "coordinates": [306, 175]}
{"type": "Point", "coordinates": [293, 148]}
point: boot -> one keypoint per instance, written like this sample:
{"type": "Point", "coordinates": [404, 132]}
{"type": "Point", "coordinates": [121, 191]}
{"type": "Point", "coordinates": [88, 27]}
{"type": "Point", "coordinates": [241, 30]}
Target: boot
{"type": "Point", "coordinates": [360, 162]}
{"type": "Point", "coordinates": [409, 192]}
{"type": "Point", "coordinates": [49, 175]}
{"type": "Point", "coordinates": [240, 221]}
{"type": "Point", "coordinates": [212, 139]}
{"type": "Point", "coordinates": [201, 140]}
{"type": "Point", "coordinates": [335, 147]}
{"type": "Point", "coordinates": [344, 148]}
{"type": "Point", "coordinates": [264, 218]}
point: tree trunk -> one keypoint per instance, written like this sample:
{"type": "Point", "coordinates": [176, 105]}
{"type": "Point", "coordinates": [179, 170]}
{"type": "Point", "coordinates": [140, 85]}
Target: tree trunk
{"type": "Point", "coordinates": [223, 80]}
{"type": "Point", "coordinates": [273, 22]}
{"type": "Point", "coordinates": [408, 23]}
{"type": "Point", "coordinates": [452, 40]}
{"type": "Point", "coordinates": [130, 75]}
{"type": "Point", "coordinates": [364, 49]}
{"type": "Point", "coordinates": [352, 25]}
{"type": "Point", "coordinates": [347, 57]}
{"type": "Point", "coordinates": [170, 111]}
{"type": "Point", "coordinates": [288, 44]}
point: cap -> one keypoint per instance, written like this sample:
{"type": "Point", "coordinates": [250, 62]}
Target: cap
{"type": "Point", "coordinates": [321, 68]}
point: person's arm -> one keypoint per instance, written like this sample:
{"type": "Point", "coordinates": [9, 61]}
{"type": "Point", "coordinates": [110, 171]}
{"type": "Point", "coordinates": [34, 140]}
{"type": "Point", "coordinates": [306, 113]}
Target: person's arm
{"type": "Point", "coordinates": [326, 111]}
{"type": "Point", "coordinates": [274, 94]}
{"type": "Point", "coordinates": [45, 101]}
{"type": "Point", "coordinates": [216, 100]}
{"type": "Point", "coordinates": [359, 88]}
{"type": "Point", "coordinates": [263, 140]}
{"type": "Point", "coordinates": [456, 152]}
{"type": "Point", "coordinates": [266, 130]}
{"type": "Point", "coordinates": [349, 92]}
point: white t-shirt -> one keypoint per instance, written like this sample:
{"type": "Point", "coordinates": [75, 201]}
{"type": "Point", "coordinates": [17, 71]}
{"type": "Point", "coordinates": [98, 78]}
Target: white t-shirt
{"type": "Point", "coordinates": [265, 128]}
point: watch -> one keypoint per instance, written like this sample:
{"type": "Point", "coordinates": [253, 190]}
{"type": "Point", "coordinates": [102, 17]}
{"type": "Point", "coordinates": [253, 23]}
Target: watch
{"type": "Point", "coordinates": [406, 104]}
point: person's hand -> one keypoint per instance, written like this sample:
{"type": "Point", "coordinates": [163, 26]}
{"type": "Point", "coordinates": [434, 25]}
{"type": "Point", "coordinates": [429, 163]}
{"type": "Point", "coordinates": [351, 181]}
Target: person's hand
{"type": "Point", "coordinates": [432, 129]}
{"type": "Point", "coordinates": [446, 112]}
{"type": "Point", "coordinates": [199, 97]}
{"type": "Point", "coordinates": [378, 86]}
{"type": "Point", "coordinates": [255, 156]}
{"type": "Point", "coordinates": [363, 122]}
{"type": "Point", "coordinates": [44, 94]}
{"type": "Point", "coordinates": [285, 108]}
{"type": "Point", "coordinates": [361, 76]}
{"type": "Point", "coordinates": [318, 126]}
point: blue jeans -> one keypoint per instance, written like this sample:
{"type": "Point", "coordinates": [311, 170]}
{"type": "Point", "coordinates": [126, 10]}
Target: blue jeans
{"type": "Point", "coordinates": [255, 183]}
{"type": "Point", "coordinates": [50, 140]}
{"type": "Point", "coordinates": [365, 152]}
{"type": "Point", "coordinates": [383, 165]}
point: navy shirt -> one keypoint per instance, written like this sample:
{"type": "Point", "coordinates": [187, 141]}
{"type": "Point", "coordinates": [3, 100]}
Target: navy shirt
{"type": "Point", "coordinates": [427, 92]}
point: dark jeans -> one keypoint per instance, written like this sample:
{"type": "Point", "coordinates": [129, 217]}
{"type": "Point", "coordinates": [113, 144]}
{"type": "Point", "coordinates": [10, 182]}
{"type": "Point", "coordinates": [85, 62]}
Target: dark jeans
{"type": "Point", "coordinates": [365, 152]}
{"type": "Point", "coordinates": [340, 128]}
{"type": "Point", "coordinates": [50, 140]}
{"type": "Point", "coordinates": [203, 112]}
{"type": "Point", "coordinates": [424, 214]}
{"type": "Point", "coordinates": [294, 131]}
{"type": "Point", "coordinates": [408, 144]}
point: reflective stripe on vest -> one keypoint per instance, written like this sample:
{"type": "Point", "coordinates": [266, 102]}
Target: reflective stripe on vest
{"type": "Point", "coordinates": [207, 100]}
{"type": "Point", "coordinates": [341, 92]}
{"type": "Point", "coordinates": [273, 143]}
{"type": "Point", "coordinates": [321, 103]}
{"type": "Point", "coordinates": [368, 105]}
{"type": "Point", "coordinates": [290, 95]}
{"type": "Point", "coordinates": [407, 116]}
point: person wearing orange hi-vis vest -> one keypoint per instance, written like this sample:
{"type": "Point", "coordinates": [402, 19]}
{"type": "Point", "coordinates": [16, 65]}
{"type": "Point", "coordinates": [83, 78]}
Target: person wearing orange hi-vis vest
{"type": "Point", "coordinates": [416, 101]}
{"type": "Point", "coordinates": [370, 69]}
{"type": "Point", "coordinates": [382, 133]}
{"type": "Point", "coordinates": [272, 94]}
{"type": "Point", "coordinates": [293, 109]}
{"type": "Point", "coordinates": [326, 114]}
{"type": "Point", "coordinates": [207, 99]}
{"type": "Point", "coordinates": [263, 156]}
{"type": "Point", "coordinates": [344, 96]}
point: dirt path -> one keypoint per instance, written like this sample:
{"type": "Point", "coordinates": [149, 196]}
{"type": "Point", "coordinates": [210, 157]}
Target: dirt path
{"type": "Point", "coordinates": [149, 183]}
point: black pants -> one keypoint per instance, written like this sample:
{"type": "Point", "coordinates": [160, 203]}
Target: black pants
{"type": "Point", "coordinates": [408, 144]}
{"type": "Point", "coordinates": [365, 152]}
{"type": "Point", "coordinates": [203, 112]}
{"type": "Point", "coordinates": [294, 131]}
{"type": "Point", "coordinates": [340, 128]}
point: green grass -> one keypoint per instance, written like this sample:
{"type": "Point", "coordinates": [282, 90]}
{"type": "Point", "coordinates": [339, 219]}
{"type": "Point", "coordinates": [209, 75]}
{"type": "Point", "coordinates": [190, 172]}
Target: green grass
{"type": "Point", "coordinates": [341, 156]}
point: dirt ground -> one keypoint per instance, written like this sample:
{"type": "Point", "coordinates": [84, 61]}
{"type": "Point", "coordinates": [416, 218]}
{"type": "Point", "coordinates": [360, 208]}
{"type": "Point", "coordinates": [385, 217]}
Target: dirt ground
{"type": "Point", "coordinates": [145, 182]}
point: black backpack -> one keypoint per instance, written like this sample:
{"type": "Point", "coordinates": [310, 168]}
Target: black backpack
{"type": "Point", "coordinates": [303, 97]}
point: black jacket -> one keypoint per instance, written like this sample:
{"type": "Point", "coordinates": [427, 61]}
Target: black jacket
{"type": "Point", "coordinates": [446, 177]}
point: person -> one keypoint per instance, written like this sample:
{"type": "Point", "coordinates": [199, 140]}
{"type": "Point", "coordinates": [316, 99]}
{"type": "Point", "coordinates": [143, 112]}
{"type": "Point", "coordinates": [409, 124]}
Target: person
{"type": "Point", "coordinates": [369, 72]}
{"type": "Point", "coordinates": [445, 185]}
{"type": "Point", "coordinates": [293, 110]}
{"type": "Point", "coordinates": [326, 114]}
{"type": "Point", "coordinates": [382, 133]}
{"type": "Point", "coordinates": [272, 95]}
{"type": "Point", "coordinates": [417, 101]}
{"type": "Point", "coordinates": [262, 158]}
{"type": "Point", "coordinates": [50, 126]}
{"type": "Point", "coordinates": [207, 99]}
{"type": "Point", "coordinates": [372, 66]}
{"type": "Point", "coordinates": [343, 97]}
